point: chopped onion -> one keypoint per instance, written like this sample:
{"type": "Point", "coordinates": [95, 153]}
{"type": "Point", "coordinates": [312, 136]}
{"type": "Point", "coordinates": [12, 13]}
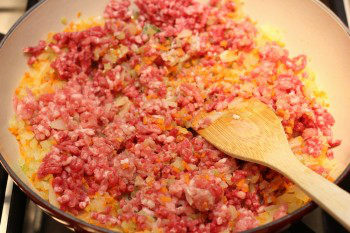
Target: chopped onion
{"type": "Point", "coordinates": [184, 34]}
{"type": "Point", "coordinates": [121, 101]}
{"type": "Point", "coordinates": [122, 51]}
{"type": "Point", "coordinates": [178, 164]}
{"type": "Point", "coordinates": [121, 36]}
{"type": "Point", "coordinates": [228, 56]}
{"type": "Point", "coordinates": [52, 197]}
{"type": "Point", "coordinates": [58, 124]}
{"type": "Point", "coordinates": [150, 29]}
{"type": "Point", "coordinates": [139, 181]}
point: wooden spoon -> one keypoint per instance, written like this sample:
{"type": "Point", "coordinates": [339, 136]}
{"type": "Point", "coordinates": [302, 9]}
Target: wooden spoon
{"type": "Point", "coordinates": [251, 131]}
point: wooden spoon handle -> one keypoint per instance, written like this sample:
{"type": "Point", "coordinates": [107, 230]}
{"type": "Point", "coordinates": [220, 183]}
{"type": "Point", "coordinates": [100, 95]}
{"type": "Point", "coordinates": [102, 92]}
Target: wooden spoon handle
{"type": "Point", "coordinates": [326, 194]}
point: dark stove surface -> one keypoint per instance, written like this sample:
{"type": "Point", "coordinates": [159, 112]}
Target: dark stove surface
{"type": "Point", "coordinates": [24, 216]}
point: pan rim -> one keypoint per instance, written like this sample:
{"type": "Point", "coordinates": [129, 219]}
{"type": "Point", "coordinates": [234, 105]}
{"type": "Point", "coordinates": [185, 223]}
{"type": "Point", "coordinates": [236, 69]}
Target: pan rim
{"type": "Point", "coordinates": [74, 221]}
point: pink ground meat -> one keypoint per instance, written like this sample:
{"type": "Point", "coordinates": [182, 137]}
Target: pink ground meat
{"type": "Point", "coordinates": [115, 123]}
{"type": "Point", "coordinates": [173, 17]}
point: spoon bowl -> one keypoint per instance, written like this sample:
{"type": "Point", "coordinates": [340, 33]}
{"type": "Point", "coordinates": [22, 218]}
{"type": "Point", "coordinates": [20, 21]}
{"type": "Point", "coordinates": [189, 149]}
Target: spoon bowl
{"type": "Point", "coordinates": [250, 131]}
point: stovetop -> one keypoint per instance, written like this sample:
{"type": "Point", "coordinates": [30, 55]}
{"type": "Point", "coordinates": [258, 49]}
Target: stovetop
{"type": "Point", "coordinates": [19, 214]}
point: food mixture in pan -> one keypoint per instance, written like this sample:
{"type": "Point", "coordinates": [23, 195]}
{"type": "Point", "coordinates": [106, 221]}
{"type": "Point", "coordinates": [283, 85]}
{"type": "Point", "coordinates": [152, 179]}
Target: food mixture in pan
{"type": "Point", "coordinates": [103, 117]}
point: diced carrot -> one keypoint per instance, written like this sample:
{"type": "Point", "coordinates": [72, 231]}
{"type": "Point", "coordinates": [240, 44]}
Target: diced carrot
{"type": "Point", "coordinates": [243, 185]}
{"type": "Point", "coordinates": [145, 121]}
{"type": "Point", "coordinates": [223, 43]}
{"type": "Point", "coordinates": [162, 47]}
{"type": "Point", "coordinates": [187, 178]}
{"type": "Point", "coordinates": [125, 166]}
{"type": "Point", "coordinates": [176, 169]}
{"type": "Point", "coordinates": [164, 189]}
{"type": "Point", "coordinates": [165, 199]}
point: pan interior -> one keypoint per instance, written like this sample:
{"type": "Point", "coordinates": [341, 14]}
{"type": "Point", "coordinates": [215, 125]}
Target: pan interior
{"type": "Point", "coordinates": [307, 28]}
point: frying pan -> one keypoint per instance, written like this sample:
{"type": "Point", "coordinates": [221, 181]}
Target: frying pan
{"type": "Point", "coordinates": [307, 26]}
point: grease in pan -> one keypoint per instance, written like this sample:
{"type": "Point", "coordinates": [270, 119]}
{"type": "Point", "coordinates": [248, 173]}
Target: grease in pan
{"type": "Point", "coordinates": [101, 118]}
